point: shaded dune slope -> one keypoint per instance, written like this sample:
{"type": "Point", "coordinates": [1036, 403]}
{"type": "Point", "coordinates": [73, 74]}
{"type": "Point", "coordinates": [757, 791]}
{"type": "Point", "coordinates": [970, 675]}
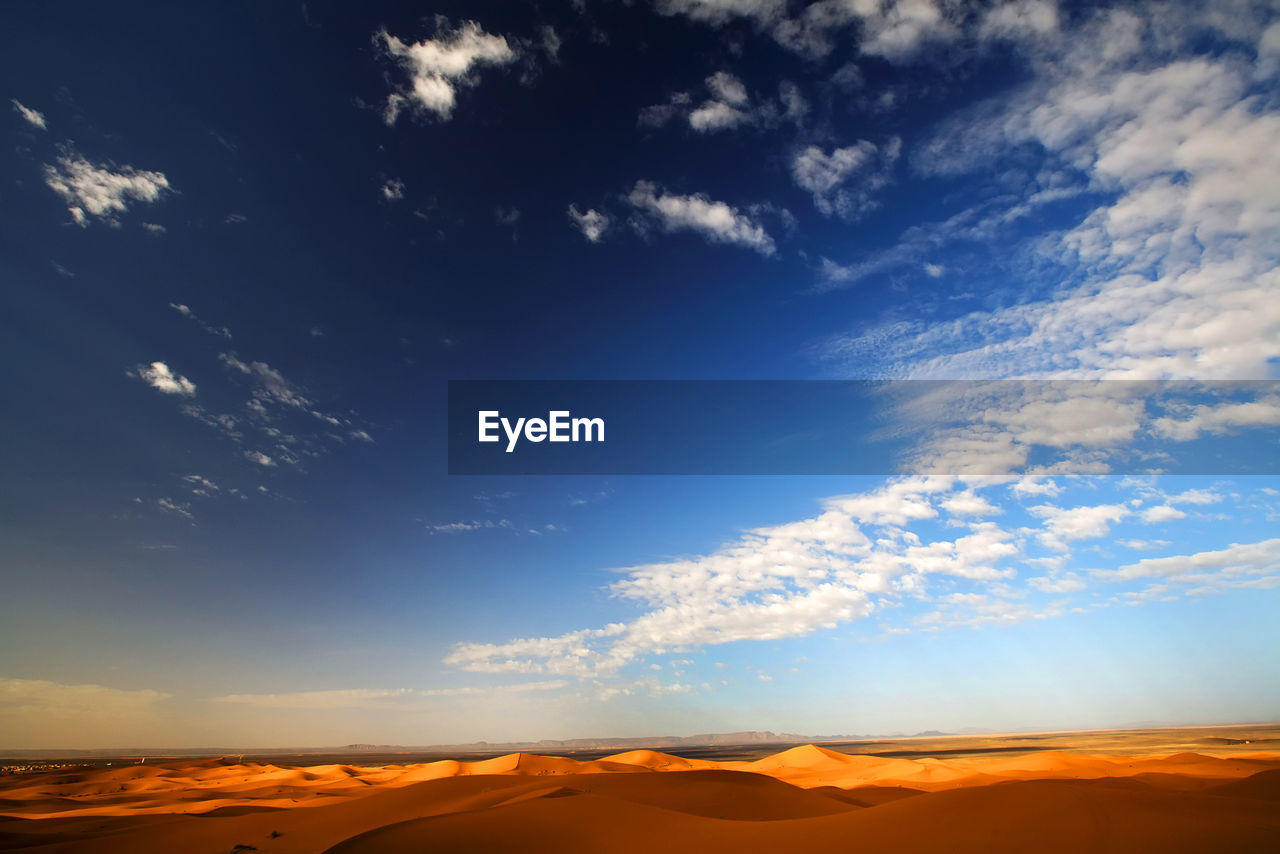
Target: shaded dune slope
{"type": "Point", "coordinates": [805, 798]}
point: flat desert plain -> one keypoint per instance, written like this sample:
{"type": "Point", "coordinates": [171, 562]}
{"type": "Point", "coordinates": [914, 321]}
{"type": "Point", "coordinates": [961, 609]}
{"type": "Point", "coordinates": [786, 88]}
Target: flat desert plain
{"type": "Point", "coordinates": [1206, 789]}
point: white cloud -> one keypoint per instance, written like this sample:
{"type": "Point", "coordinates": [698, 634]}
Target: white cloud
{"type": "Point", "coordinates": [159, 376]}
{"type": "Point", "coordinates": [201, 485]}
{"type": "Point", "coordinates": [1143, 545]}
{"type": "Point", "coordinates": [591, 223]}
{"type": "Point", "coordinates": [716, 221]}
{"type": "Point", "coordinates": [728, 105]}
{"type": "Point", "coordinates": [969, 503]}
{"type": "Point", "coordinates": [1162, 513]}
{"type": "Point", "coordinates": [1170, 275]}
{"type": "Point", "coordinates": [1268, 63]}
{"type": "Point", "coordinates": [272, 387]}
{"type": "Point", "coordinates": [259, 458]}
{"type": "Point", "coordinates": [168, 505]}
{"type": "Point", "coordinates": [185, 311]}
{"type": "Point", "coordinates": [472, 525]}
{"type": "Point", "coordinates": [1069, 583]}
{"type": "Point", "coordinates": [393, 189]}
{"type": "Point", "coordinates": [1194, 496]}
{"type": "Point", "coordinates": [439, 67]}
{"type": "Point", "coordinates": [783, 581]}
{"type": "Point", "coordinates": [35, 118]}
{"type": "Point", "coordinates": [648, 686]}
{"type": "Point", "coordinates": [1234, 563]}
{"type": "Point", "coordinates": [897, 30]}
{"type": "Point", "coordinates": [1063, 525]}
{"type": "Point", "coordinates": [844, 181]}
{"type": "Point", "coordinates": [720, 11]}
{"type": "Point", "coordinates": [1220, 419]}
{"type": "Point", "coordinates": [1031, 486]}
{"type": "Point", "coordinates": [99, 191]}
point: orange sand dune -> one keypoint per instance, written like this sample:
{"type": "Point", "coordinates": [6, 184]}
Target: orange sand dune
{"type": "Point", "coordinates": [805, 798]}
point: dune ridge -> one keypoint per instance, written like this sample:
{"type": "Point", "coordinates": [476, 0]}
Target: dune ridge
{"type": "Point", "coordinates": [807, 797]}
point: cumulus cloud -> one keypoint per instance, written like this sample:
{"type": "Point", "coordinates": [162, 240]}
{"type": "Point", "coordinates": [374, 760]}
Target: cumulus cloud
{"type": "Point", "coordinates": [1064, 524]}
{"type": "Point", "coordinates": [845, 180]}
{"type": "Point", "coordinates": [35, 118]}
{"type": "Point", "coordinates": [591, 223]}
{"type": "Point", "coordinates": [160, 377]}
{"type": "Point", "coordinates": [438, 68]}
{"type": "Point", "coordinates": [1162, 513]}
{"type": "Point", "coordinates": [101, 190]}
{"type": "Point", "coordinates": [718, 222]}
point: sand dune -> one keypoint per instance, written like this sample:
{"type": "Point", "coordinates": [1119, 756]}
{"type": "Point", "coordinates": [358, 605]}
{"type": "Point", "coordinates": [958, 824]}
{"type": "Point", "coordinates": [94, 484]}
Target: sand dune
{"type": "Point", "coordinates": [804, 798]}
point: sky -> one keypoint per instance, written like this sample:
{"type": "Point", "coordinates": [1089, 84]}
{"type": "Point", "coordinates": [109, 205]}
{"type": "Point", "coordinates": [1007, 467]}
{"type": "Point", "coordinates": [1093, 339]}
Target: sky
{"type": "Point", "coordinates": [246, 247]}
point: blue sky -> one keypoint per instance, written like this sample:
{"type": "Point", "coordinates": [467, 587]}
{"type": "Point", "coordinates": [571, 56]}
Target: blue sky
{"type": "Point", "coordinates": [245, 250]}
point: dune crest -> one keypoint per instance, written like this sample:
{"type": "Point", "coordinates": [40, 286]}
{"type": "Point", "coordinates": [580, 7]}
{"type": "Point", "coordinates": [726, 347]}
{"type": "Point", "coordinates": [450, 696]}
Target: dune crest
{"type": "Point", "coordinates": [806, 797]}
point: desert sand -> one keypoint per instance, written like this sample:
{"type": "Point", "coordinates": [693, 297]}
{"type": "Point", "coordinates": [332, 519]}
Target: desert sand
{"type": "Point", "coordinates": [804, 798]}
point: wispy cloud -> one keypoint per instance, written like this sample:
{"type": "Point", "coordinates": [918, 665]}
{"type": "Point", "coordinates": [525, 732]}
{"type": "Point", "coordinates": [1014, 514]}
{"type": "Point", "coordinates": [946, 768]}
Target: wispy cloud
{"type": "Point", "coordinates": [161, 377]}
{"type": "Point", "coordinates": [716, 221]}
{"type": "Point", "coordinates": [1169, 275]}
{"type": "Point", "coordinates": [102, 191]}
{"type": "Point", "coordinates": [727, 105]}
{"type": "Point", "coordinates": [845, 181]}
{"type": "Point", "coordinates": [865, 553]}
{"type": "Point", "coordinates": [220, 331]}
{"type": "Point", "coordinates": [35, 118]}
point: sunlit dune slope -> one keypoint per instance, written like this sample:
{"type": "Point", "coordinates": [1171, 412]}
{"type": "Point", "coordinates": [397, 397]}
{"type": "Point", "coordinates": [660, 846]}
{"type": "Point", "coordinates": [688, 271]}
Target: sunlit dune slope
{"type": "Point", "coordinates": [1047, 816]}
{"type": "Point", "coordinates": [804, 798]}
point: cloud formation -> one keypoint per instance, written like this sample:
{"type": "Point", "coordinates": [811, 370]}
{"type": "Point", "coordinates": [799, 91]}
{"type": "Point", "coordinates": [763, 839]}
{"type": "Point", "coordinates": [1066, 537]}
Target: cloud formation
{"type": "Point", "coordinates": [438, 68]}
{"type": "Point", "coordinates": [1170, 276]}
{"type": "Point", "coordinates": [591, 223]}
{"type": "Point", "coordinates": [35, 118]}
{"type": "Point", "coordinates": [916, 551]}
{"type": "Point", "coordinates": [160, 377]}
{"type": "Point", "coordinates": [718, 222]}
{"type": "Point", "coordinates": [844, 181]}
{"type": "Point", "coordinates": [727, 105]}
{"type": "Point", "coordinates": [101, 190]}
